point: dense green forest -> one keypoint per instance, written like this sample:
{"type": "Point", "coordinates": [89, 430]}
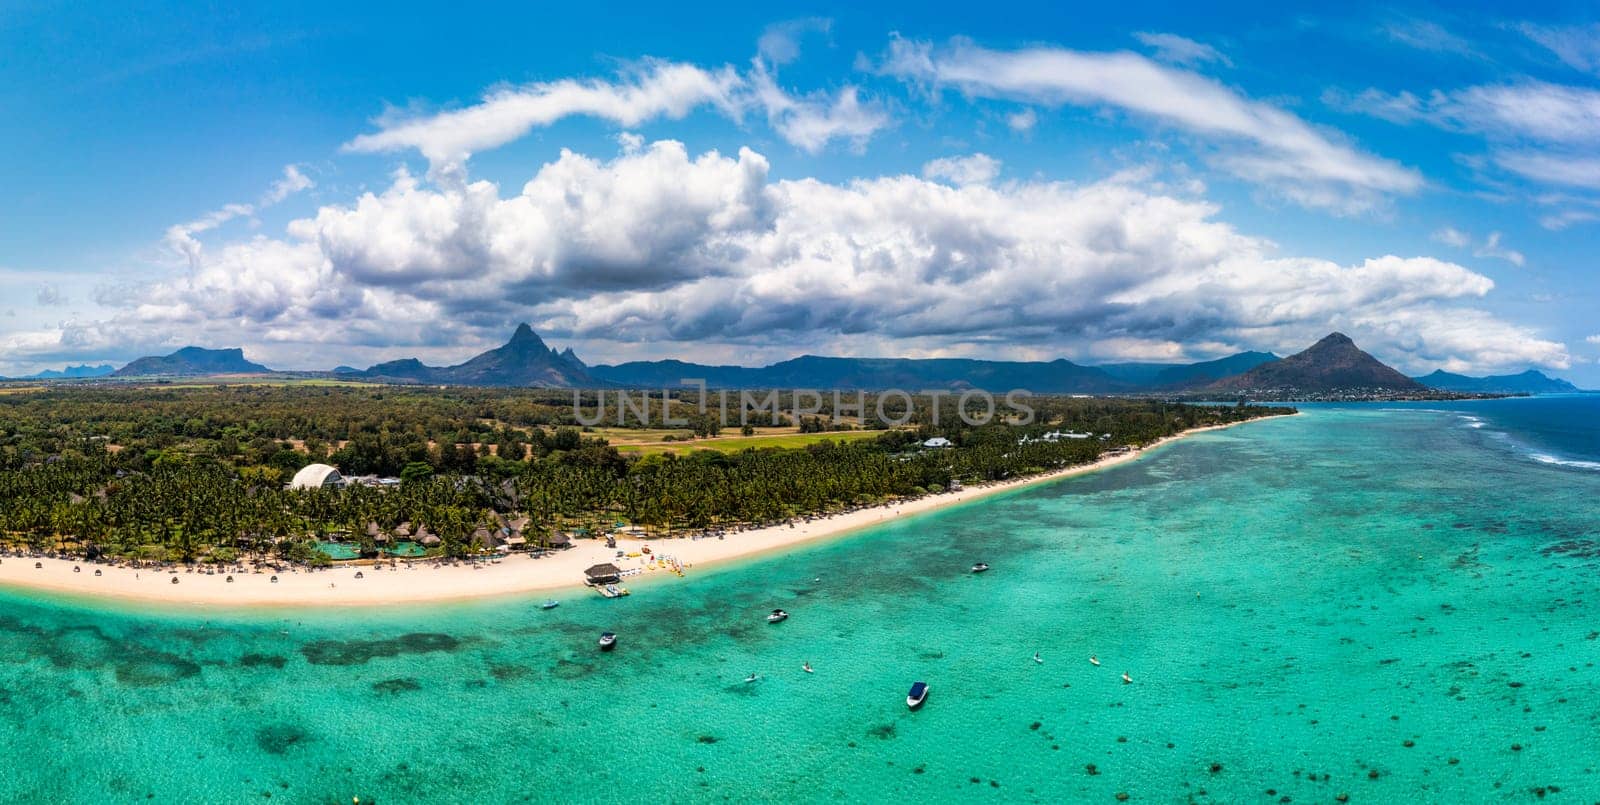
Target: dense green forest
{"type": "Point", "coordinates": [198, 474]}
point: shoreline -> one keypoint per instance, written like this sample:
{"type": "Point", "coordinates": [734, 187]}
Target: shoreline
{"type": "Point", "coordinates": [513, 574]}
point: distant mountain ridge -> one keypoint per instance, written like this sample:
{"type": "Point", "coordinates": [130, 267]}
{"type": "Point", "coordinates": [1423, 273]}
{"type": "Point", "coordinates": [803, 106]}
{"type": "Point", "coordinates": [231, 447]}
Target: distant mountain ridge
{"type": "Point", "coordinates": [1529, 382]}
{"type": "Point", "coordinates": [1184, 375]}
{"type": "Point", "coordinates": [72, 373]}
{"type": "Point", "coordinates": [192, 362]}
{"type": "Point", "coordinates": [1333, 364]}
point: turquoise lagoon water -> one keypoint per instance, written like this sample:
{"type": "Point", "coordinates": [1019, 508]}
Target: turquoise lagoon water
{"type": "Point", "coordinates": [1294, 599]}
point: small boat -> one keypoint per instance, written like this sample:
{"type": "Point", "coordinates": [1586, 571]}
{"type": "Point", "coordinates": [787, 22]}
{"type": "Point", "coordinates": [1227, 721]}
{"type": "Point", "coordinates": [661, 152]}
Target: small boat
{"type": "Point", "coordinates": [807, 668]}
{"type": "Point", "coordinates": [1126, 680]}
{"type": "Point", "coordinates": [751, 678]}
{"type": "Point", "coordinates": [918, 695]}
{"type": "Point", "coordinates": [608, 640]}
{"type": "Point", "coordinates": [1093, 660]}
{"type": "Point", "coordinates": [1038, 659]}
{"type": "Point", "coordinates": [777, 615]}
{"type": "Point", "coordinates": [551, 604]}
{"type": "Point", "coordinates": [980, 567]}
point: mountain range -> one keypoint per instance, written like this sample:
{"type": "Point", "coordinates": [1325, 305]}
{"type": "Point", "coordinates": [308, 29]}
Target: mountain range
{"type": "Point", "coordinates": [1529, 382]}
{"type": "Point", "coordinates": [1186, 375]}
{"type": "Point", "coordinates": [71, 373]}
{"type": "Point", "coordinates": [1333, 365]}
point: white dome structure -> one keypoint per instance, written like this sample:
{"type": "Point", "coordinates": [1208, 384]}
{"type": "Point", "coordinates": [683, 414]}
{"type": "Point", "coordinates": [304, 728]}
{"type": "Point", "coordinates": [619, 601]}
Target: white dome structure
{"type": "Point", "coordinates": [317, 476]}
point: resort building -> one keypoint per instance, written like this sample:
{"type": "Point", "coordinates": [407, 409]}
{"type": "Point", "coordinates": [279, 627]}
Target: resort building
{"type": "Point", "coordinates": [317, 476]}
{"type": "Point", "coordinates": [937, 441]}
{"type": "Point", "coordinates": [424, 538]}
{"type": "Point", "coordinates": [602, 574]}
{"type": "Point", "coordinates": [375, 481]}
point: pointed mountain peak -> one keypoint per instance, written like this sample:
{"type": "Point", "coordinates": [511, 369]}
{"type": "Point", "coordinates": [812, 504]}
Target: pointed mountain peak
{"type": "Point", "coordinates": [1334, 364]}
{"type": "Point", "coordinates": [1333, 340]}
{"type": "Point", "coordinates": [525, 336]}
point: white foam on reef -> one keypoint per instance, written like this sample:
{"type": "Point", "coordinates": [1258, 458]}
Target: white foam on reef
{"type": "Point", "coordinates": [1546, 458]}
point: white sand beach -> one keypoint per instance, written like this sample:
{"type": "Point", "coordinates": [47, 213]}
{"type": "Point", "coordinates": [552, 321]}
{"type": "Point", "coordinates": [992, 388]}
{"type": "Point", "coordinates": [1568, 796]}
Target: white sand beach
{"type": "Point", "coordinates": [418, 581]}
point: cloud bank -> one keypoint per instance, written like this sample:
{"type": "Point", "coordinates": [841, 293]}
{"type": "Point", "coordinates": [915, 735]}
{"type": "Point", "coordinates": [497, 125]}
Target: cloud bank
{"type": "Point", "coordinates": [657, 246]}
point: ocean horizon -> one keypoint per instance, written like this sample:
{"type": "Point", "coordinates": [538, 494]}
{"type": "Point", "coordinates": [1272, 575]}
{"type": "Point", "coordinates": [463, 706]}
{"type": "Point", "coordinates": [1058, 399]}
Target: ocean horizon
{"type": "Point", "coordinates": [1387, 601]}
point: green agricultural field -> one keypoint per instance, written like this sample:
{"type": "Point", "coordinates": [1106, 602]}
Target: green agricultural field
{"type": "Point", "coordinates": [728, 444]}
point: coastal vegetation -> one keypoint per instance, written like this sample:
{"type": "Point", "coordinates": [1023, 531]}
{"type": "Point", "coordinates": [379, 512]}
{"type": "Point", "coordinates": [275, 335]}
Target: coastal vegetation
{"type": "Point", "coordinates": [156, 473]}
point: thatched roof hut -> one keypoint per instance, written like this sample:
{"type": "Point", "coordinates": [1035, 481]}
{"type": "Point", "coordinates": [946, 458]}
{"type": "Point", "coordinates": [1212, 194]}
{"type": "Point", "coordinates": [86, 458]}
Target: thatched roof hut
{"type": "Point", "coordinates": [425, 538]}
{"type": "Point", "coordinates": [487, 538]}
{"type": "Point", "coordinates": [606, 573]}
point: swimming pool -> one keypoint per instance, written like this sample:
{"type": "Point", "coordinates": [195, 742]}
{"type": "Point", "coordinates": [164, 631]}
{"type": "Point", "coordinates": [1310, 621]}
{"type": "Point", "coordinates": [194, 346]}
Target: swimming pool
{"type": "Point", "coordinates": [339, 550]}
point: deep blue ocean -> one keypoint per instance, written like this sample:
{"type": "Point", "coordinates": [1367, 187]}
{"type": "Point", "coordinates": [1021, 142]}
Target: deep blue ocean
{"type": "Point", "coordinates": [1559, 430]}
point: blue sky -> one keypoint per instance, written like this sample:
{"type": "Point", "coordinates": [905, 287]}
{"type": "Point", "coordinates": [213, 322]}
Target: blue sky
{"type": "Point", "coordinates": [1136, 182]}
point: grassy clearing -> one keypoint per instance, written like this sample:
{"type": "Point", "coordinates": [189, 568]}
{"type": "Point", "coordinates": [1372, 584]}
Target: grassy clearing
{"type": "Point", "coordinates": [621, 436]}
{"type": "Point", "coordinates": [783, 438]}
